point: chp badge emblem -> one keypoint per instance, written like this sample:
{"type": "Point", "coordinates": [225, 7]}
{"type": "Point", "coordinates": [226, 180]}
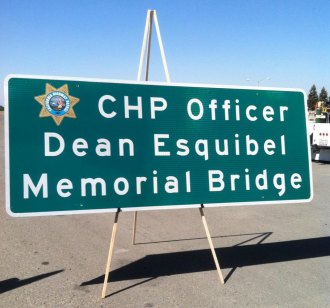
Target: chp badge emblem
{"type": "Point", "coordinates": [57, 103]}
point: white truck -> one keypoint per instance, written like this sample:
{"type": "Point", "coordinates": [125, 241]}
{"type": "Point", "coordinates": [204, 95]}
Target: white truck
{"type": "Point", "coordinates": [320, 136]}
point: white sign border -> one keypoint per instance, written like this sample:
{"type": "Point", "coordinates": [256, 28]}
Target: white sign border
{"type": "Point", "coordinates": [78, 79]}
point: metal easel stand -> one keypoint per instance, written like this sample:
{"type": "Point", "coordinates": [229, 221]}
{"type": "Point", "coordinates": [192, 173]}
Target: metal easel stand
{"type": "Point", "coordinates": [146, 44]}
{"type": "Point", "coordinates": [152, 15]}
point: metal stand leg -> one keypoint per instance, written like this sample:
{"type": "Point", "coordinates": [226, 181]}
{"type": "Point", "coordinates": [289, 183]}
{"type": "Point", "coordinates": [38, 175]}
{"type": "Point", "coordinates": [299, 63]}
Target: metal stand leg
{"type": "Point", "coordinates": [112, 243]}
{"type": "Point", "coordinates": [211, 244]}
{"type": "Point", "coordinates": [134, 227]}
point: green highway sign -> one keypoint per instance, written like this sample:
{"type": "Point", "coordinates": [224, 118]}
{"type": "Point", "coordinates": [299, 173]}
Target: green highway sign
{"type": "Point", "coordinates": [88, 145]}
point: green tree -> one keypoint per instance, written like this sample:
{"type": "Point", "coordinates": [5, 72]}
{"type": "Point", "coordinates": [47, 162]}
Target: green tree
{"type": "Point", "coordinates": [323, 95]}
{"type": "Point", "coordinates": [313, 98]}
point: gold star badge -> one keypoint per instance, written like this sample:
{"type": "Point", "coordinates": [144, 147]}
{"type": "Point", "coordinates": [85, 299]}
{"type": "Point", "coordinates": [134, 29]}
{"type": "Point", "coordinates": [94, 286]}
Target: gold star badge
{"type": "Point", "coordinates": [57, 103]}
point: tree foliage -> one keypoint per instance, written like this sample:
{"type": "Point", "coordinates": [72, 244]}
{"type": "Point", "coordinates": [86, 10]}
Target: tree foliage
{"type": "Point", "coordinates": [313, 97]}
{"type": "Point", "coordinates": [323, 95]}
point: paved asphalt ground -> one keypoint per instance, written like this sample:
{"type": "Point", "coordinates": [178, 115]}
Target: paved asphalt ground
{"type": "Point", "coordinates": [271, 255]}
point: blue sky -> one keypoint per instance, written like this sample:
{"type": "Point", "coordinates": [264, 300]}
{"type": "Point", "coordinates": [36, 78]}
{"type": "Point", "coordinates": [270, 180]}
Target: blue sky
{"type": "Point", "coordinates": [212, 42]}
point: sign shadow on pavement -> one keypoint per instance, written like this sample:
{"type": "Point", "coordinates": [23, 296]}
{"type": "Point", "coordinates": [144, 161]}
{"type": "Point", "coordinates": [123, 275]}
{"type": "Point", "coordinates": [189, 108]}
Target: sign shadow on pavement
{"type": "Point", "coordinates": [184, 262]}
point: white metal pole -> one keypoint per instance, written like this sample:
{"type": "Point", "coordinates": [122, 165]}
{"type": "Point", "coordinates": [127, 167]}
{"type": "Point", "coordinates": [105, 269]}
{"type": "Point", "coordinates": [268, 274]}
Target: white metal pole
{"type": "Point", "coordinates": [149, 45]}
{"type": "Point", "coordinates": [146, 32]}
{"type": "Point", "coordinates": [161, 47]}
{"type": "Point", "coordinates": [151, 15]}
